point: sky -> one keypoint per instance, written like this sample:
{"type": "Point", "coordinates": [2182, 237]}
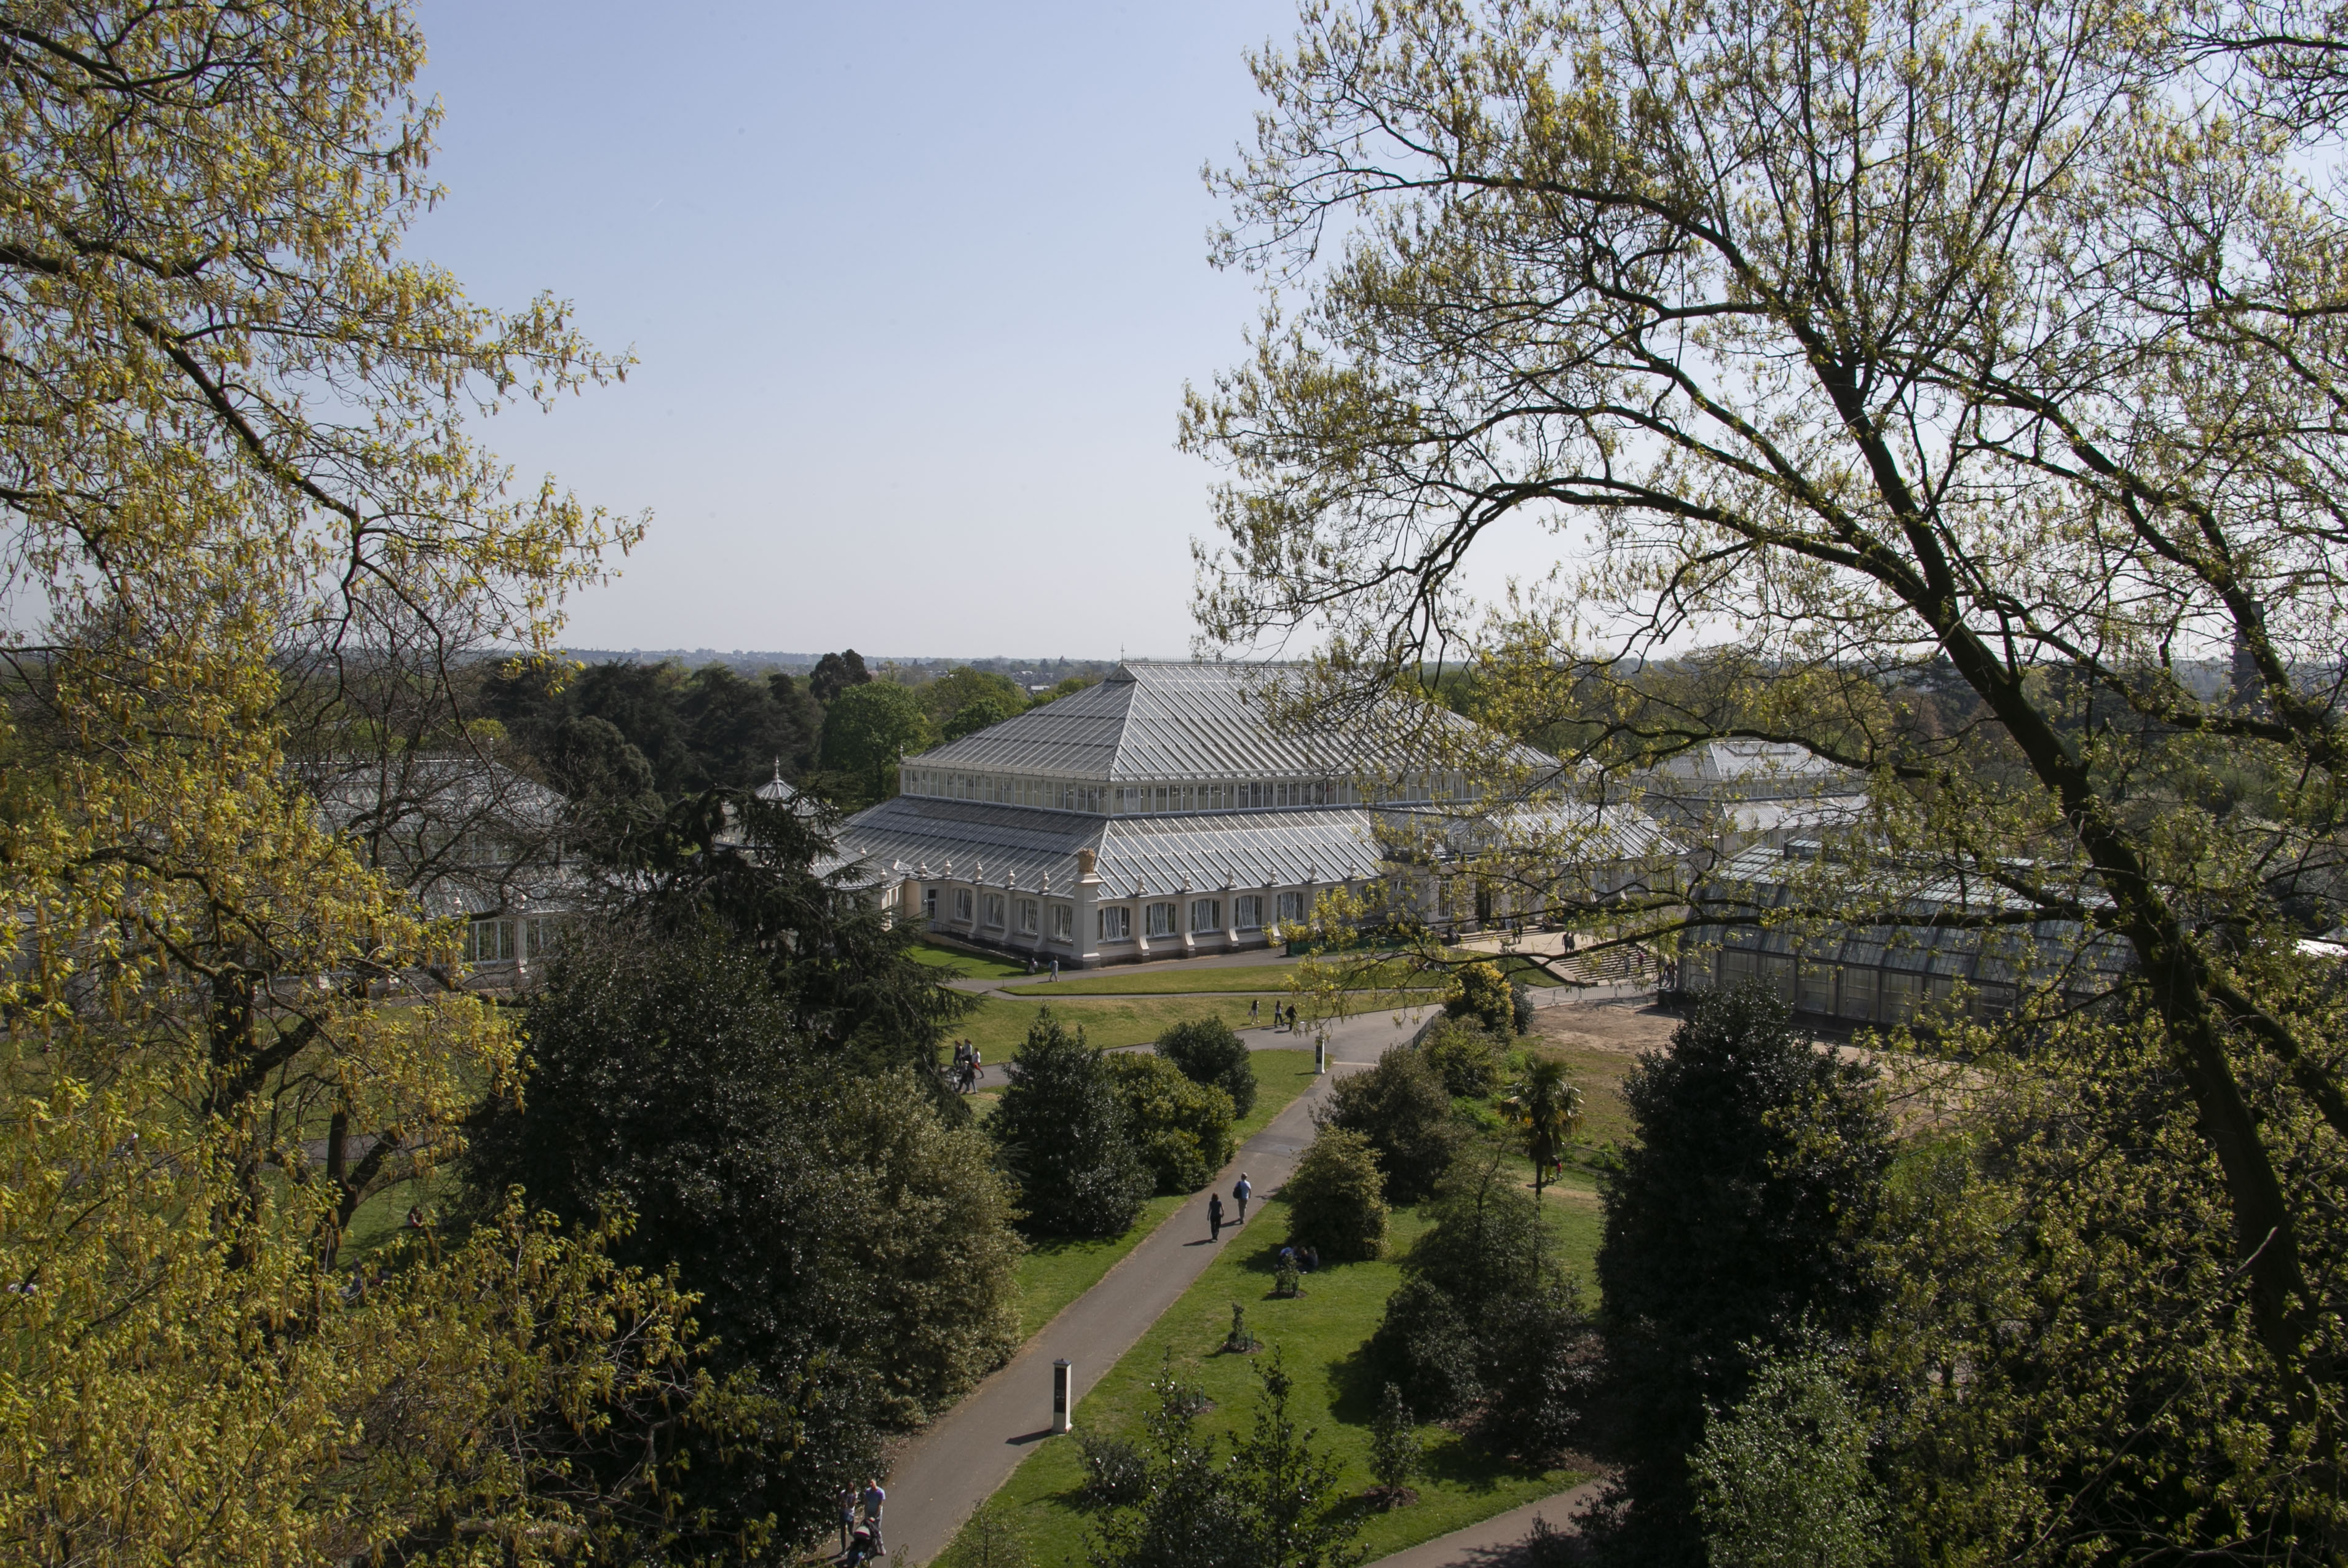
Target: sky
{"type": "Point", "coordinates": [914, 290]}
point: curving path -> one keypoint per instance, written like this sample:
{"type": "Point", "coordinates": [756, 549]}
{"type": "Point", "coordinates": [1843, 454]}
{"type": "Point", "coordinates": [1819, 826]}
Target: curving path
{"type": "Point", "coordinates": [943, 1474]}
{"type": "Point", "coordinates": [1500, 1541]}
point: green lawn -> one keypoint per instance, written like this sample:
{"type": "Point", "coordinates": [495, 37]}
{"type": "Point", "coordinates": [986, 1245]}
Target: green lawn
{"type": "Point", "coordinates": [999, 1025]}
{"type": "Point", "coordinates": [973, 965]}
{"type": "Point", "coordinates": [1162, 982]}
{"type": "Point", "coordinates": [1320, 1336]}
{"type": "Point", "coordinates": [1264, 978]}
{"type": "Point", "coordinates": [1055, 1273]}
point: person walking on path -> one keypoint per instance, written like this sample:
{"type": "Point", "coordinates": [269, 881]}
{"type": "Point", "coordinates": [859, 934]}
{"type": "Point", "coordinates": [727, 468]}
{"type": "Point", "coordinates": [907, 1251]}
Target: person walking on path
{"type": "Point", "coordinates": [846, 1502]}
{"type": "Point", "coordinates": [1214, 1217]}
{"type": "Point", "coordinates": [1255, 1011]}
{"type": "Point", "coordinates": [1055, 968]}
{"type": "Point", "coordinates": [1240, 1192]}
{"type": "Point", "coordinates": [875, 1500]}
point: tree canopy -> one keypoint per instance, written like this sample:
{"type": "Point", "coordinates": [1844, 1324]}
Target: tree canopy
{"type": "Point", "coordinates": [242, 502]}
{"type": "Point", "coordinates": [868, 728]}
{"type": "Point", "coordinates": [850, 1247]}
{"type": "Point", "coordinates": [1949, 392]}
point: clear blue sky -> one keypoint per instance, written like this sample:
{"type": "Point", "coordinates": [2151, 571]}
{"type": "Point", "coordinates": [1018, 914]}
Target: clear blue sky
{"type": "Point", "coordinates": [915, 289]}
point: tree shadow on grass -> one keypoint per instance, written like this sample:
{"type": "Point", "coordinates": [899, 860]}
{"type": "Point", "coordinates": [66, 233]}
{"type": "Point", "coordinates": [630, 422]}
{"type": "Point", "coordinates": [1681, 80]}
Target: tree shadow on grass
{"type": "Point", "coordinates": [1260, 1249]}
{"type": "Point", "coordinates": [1453, 1461]}
{"type": "Point", "coordinates": [1356, 1383]}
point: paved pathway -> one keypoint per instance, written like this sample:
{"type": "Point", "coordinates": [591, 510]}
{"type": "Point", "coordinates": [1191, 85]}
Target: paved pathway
{"type": "Point", "coordinates": [1498, 1542]}
{"type": "Point", "coordinates": [942, 1475]}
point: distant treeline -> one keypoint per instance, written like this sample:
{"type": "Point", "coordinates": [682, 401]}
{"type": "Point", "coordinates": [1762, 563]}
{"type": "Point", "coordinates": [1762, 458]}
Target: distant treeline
{"type": "Point", "coordinates": [622, 729]}
{"type": "Point", "coordinates": [1030, 672]}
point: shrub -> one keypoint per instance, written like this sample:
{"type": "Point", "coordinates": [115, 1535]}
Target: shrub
{"type": "Point", "coordinates": [1182, 1130]}
{"type": "Point", "coordinates": [1061, 1131]}
{"type": "Point", "coordinates": [1520, 1006]}
{"type": "Point", "coordinates": [989, 1541]}
{"type": "Point", "coordinates": [1428, 1346]}
{"type": "Point", "coordinates": [1394, 1452]}
{"type": "Point", "coordinates": [1206, 1051]}
{"type": "Point", "coordinates": [1480, 993]}
{"type": "Point", "coordinates": [1485, 1324]}
{"type": "Point", "coordinates": [1539, 1368]}
{"type": "Point", "coordinates": [1403, 1108]}
{"type": "Point", "coordinates": [1268, 1502]}
{"type": "Point", "coordinates": [1337, 1198]}
{"type": "Point", "coordinates": [1782, 1478]}
{"type": "Point", "coordinates": [1486, 1239]}
{"type": "Point", "coordinates": [1115, 1475]}
{"type": "Point", "coordinates": [1464, 1056]}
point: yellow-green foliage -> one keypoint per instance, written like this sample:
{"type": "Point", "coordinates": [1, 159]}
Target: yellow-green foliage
{"type": "Point", "coordinates": [205, 990]}
{"type": "Point", "coordinates": [1463, 1055]}
{"type": "Point", "coordinates": [1479, 992]}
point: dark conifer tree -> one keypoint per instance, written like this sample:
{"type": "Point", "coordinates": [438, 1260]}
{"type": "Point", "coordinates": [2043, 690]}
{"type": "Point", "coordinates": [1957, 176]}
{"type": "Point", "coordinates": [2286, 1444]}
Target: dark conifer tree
{"type": "Point", "coordinates": [1737, 1218]}
{"type": "Point", "coordinates": [1063, 1136]}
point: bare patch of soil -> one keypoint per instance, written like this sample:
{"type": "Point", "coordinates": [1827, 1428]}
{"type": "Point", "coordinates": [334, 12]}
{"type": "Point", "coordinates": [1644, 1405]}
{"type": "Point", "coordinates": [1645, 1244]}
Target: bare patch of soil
{"type": "Point", "coordinates": [1620, 1028]}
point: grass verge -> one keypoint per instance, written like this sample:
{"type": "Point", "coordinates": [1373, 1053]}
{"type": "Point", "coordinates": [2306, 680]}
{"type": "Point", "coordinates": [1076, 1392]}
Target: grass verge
{"type": "Point", "coordinates": [1320, 1336]}
{"type": "Point", "coordinates": [972, 966]}
{"type": "Point", "coordinates": [1264, 978]}
{"type": "Point", "coordinates": [1000, 1027]}
{"type": "Point", "coordinates": [1055, 1273]}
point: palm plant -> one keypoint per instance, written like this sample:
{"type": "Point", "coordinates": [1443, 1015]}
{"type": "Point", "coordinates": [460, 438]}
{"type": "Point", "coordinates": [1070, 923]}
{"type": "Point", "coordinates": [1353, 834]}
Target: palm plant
{"type": "Point", "coordinates": [1545, 1107]}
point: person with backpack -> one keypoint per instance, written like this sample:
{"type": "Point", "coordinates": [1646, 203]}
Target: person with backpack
{"type": "Point", "coordinates": [1240, 1192]}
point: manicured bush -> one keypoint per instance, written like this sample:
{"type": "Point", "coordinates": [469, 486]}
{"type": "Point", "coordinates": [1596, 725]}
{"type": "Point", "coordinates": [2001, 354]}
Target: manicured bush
{"type": "Point", "coordinates": [1485, 1324]}
{"type": "Point", "coordinates": [1115, 1475]}
{"type": "Point", "coordinates": [1405, 1111]}
{"type": "Point", "coordinates": [1182, 1130]}
{"type": "Point", "coordinates": [1209, 1052]}
{"type": "Point", "coordinates": [1061, 1132]}
{"type": "Point", "coordinates": [1480, 993]}
{"type": "Point", "coordinates": [1426, 1345]}
{"type": "Point", "coordinates": [1464, 1055]}
{"type": "Point", "coordinates": [1337, 1198]}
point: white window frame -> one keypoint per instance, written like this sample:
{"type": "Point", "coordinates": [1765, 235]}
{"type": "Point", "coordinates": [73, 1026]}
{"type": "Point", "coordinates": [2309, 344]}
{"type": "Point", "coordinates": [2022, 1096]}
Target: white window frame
{"type": "Point", "coordinates": [1213, 909]}
{"type": "Point", "coordinates": [489, 941]}
{"type": "Point", "coordinates": [1116, 923]}
{"type": "Point", "coordinates": [1162, 918]}
{"type": "Point", "coordinates": [1064, 922]}
{"type": "Point", "coordinates": [1247, 912]}
{"type": "Point", "coordinates": [1031, 918]}
{"type": "Point", "coordinates": [994, 911]}
{"type": "Point", "coordinates": [962, 905]}
{"type": "Point", "coordinates": [1294, 906]}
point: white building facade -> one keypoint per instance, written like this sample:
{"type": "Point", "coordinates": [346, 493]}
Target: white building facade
{"type": "Point", "coordinates": [1158, 814]}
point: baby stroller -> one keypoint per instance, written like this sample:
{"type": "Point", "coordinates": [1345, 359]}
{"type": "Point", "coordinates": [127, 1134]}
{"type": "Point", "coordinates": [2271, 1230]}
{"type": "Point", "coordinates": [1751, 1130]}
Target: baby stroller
{"type": "Point", "coordinates": [860, 1549]}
